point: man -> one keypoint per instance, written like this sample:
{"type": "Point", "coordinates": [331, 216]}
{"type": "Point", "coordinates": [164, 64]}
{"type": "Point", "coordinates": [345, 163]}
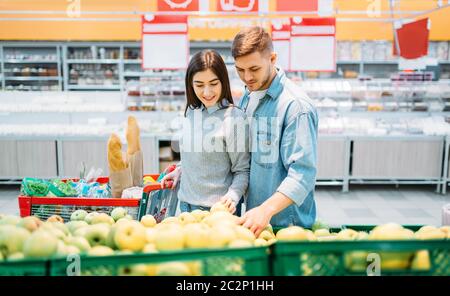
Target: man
{"type": "Point", "coordinates": [283, 137]}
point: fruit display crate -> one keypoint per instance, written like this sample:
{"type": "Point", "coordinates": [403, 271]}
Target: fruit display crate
{"type": "Point", "coordinates": [44, 207]}
{"type": "Point", "coordinates": [253, 261]}
{"type": "Point", "coordinates": [29, 267]}
{"type": "Point", "coordinates": [355, 258]}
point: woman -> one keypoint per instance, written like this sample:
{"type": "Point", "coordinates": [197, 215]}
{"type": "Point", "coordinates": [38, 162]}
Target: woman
{"type": "Point", "coordinates": [214, 150]}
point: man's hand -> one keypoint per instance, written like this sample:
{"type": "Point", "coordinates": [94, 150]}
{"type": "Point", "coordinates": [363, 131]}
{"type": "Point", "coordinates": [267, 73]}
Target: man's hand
{"type": "Point", "coordinates": [229, 203]}
{"type": "Point", "coordinates": [256, 219]}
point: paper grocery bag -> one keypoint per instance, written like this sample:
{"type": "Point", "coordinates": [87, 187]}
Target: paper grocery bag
{"type": "Point", "coordinates": [136, 165]}
{"type": "Point", "coordinates": [119, 181]}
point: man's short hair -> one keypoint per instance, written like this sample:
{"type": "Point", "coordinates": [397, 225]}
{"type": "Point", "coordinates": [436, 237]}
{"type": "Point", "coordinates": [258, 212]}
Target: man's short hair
{"type": "Point", "coordinates": [250, 40]}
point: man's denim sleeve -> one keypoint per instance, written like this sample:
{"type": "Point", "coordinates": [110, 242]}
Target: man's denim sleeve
{"type": "Point", "coordinates": [298, 150]}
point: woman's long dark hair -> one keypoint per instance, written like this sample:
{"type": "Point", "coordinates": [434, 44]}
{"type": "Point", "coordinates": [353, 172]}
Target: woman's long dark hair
{"type": "Point", "coordinates": [201, 61]}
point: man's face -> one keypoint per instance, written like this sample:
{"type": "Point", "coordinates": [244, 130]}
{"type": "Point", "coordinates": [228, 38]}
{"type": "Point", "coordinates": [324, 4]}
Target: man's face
{"type": "Point", "coordinates": [256, 69]}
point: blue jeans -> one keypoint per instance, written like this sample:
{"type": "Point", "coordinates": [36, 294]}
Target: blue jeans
{"type": "Point", "coordinates": [187, 207]}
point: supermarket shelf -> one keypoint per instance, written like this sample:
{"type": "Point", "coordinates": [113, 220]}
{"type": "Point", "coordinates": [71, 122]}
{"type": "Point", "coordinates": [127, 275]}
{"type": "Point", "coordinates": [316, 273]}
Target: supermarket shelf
{"type": "Point", "coordinates": [93, 61]}
{"type": "Point", "coordinates": [30, 62]}
{"type": "Point", "coordinates": [94, 87]}
{"type": "Point", "coordinates": [137, 62]}
{"type": "Point", "coordinates": [30, 78]}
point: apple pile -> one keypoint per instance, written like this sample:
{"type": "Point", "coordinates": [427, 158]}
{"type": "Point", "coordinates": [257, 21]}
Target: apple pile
{"type": "Point", "coordinates": [357, 260]}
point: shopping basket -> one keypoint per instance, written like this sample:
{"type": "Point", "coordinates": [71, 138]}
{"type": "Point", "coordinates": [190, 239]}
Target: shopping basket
{"type": "Point", "coordinates": [354, 257]}
{"type": "Point", "coordinates": [164, 205]}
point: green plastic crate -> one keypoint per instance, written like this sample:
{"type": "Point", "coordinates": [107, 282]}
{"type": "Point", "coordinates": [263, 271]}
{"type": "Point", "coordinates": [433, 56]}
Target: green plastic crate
{"type": "Point", "coordinates": [351, 257]}
{"type": "Point", "coordinates": [218, 262]}
{"type": "Point", "coordinates": [37, 267]}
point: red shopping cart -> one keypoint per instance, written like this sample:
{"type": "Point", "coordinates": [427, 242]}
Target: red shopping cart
{"type": "Point", "coordinates": [163, 203]}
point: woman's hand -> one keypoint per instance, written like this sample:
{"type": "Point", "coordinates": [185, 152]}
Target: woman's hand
{"type": "Point", "coordinates": [229, 203]}
{"type": "Point", "coordinates": [170, 180]}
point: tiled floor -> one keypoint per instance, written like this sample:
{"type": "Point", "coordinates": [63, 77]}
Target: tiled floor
{"type": "Point", "coordinates": [361, 205]}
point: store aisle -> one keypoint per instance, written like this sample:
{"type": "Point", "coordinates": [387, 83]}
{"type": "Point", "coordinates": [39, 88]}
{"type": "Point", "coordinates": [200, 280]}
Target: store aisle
{"type": "Point", "coordinates": [362, 205]}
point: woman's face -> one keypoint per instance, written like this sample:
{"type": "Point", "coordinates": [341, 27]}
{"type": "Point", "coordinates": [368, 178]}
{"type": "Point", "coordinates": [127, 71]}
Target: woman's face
{"type": "Point", "coordinates": [207, 87]}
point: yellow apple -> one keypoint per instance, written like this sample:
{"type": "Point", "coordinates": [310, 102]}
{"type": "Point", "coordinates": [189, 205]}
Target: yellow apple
{"type": "Point", "coordinates": [293, 233]}
{"type": "Point", "coordinates": [173, 269]}
{"type": "Point", "coordinates": [218, 207]}
{"type": "Point", "coordinates": [244, 233]}
{"type": "Point", "coordinates": [240, 243]}
{"type": "Point", "coordinates": [130, 236]}
{"type": "Point", "coordinates": [186, 218]}
{"type": "Point", "coordinates": [430, 234]}
{"type": "Point", "coordinates": [421, 261]}
{"type": "Point", "coordinates": [16, 256]}
{"type": "Point", "coordinates": [199, 214]}
{"type": "Point", "coordinates": [221, 236]}
{"type": "Point", "coordinates": [196, 235]}
{"type": "Point", "coordinates": [266, 235]}
{"type": "Point", "coordinates": [55, 218]}
{"type": "Point", "coordinates": [133, 270]}
{"type": "Point", "coordinates": [170, 238]}
{"type": "Point", "coordinates": [149, 248]}
{"type": "Point", "coordinates": [347, 234]}
{"type": "Point", "coordinates": [148, 221]}
{"type": "Point", "coordinates": [219, 218]}
{"type": "Point", "coordinates": [260, 242]}
{"type": "Point", "coordinates": [169, 220]}
{"type": "Point", "coordinates": [150, 234]}
{"type": "Point", "coordinates": [100, 251]}
{"type": "Point", "coordinates": [102, 218]}
{"type": "Point", "coordinates": [322, 232]}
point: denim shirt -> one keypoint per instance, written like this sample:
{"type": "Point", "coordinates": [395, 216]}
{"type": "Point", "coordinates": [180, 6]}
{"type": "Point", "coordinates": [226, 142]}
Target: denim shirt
{"type": "Point", "coordinates": [283, 151]}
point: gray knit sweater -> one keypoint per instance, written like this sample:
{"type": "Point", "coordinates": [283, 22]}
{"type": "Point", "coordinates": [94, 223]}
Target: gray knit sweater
{"type": "Point", "coordinates": [215, 158]}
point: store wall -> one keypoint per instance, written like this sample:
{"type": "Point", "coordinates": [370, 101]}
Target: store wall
{"type": "Point", "coordinates": [62, 27]}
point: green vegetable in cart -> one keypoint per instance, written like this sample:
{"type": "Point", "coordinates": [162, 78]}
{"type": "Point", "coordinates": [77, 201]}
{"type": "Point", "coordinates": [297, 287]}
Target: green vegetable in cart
{"type": "Point", "coordinates": [34, 187]}
{"type": "Point", "coordinates": [59, 188]}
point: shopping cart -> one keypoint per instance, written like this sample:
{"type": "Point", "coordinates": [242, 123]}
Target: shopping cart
{"type": "Point", "coordinates": [163, 203]}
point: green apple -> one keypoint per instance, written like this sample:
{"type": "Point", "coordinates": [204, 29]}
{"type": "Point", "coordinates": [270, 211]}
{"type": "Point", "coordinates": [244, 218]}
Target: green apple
{"type": "Point", "coordinates": [186, 218]}
{"type": "Point", "coordinates": [30, 223]}
{"type": "Point", "coordinates": [12, 239]}
{"type": "Point", "coordinates": [148, 221]}
{"type": "Point", "coordinates": [53, 230]}
{"type": "Point", "coordinates": [90, 216]}
{"type": "Point", "coordinates": [78, 215]}
{"type": "Point", "coordinates": [40, 244]}
{"type": "Point", "coordinates": [97, 234]}
{"type": "Point", "coordinates": [118, 213]}
{"type": "Point", "coordinates": [196, 235]}
{"type": "Point", "coordinates": [74, 225]}
{"type": "Point", "coordinates": [81, 243]}
{"type": "Point", "coordinates": [58, 225]}
{"type": "Point", "coordinates": [129, 217]}
{"type": "Point", "coordinates": [81, 232]}
{"type": "Point", "coordinates": [130, 236]}
{"type": "Point", "coordinates": [10, 220]}
{"type": "Point", "coordinates": [102, 218]}
{"type": "Point", "coordinates": [100, 251]}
